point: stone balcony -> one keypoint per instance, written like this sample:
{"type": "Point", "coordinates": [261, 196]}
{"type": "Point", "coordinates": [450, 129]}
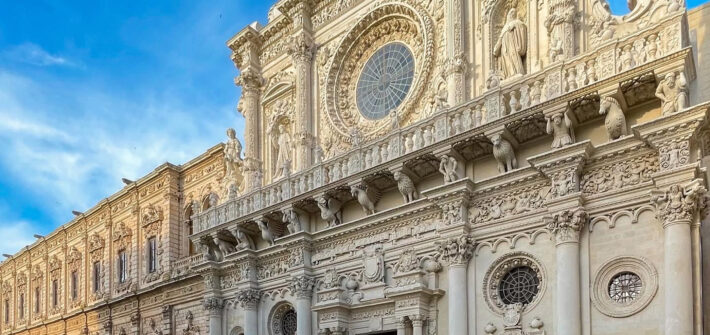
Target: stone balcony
{"type": "Point", "coordinates": [516, 109]}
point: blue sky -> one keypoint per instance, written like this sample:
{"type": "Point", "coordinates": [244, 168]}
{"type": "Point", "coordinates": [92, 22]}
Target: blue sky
{"type": "Point", "coordinates": [93, 91]}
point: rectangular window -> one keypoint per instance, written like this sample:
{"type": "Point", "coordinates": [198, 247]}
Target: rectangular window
{"type": "Point", "coordinates": [122, 266]}
{"type": "Point", "coordinates": [74, 285]}
{"type": "Point", "coordinates": [152, 255]}
{"type": "Point", "coordinates": [22, 306]}
{"type": "Point", "coordinates": [7, 310]}
{"type": "Point", "coordinates": [37, 293]}
{"type": "Point", "coordinates": [55, 293]}
{"type": "Point", "coordinates": [97, 276]}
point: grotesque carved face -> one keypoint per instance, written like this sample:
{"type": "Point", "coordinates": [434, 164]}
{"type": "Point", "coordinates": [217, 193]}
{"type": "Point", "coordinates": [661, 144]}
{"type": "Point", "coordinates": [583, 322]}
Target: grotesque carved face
{"type": "Point", "coordinates": [557, 119]}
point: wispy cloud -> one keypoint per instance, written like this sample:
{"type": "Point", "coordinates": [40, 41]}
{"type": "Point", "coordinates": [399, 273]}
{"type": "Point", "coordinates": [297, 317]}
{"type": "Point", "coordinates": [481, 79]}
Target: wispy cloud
{"type": "Point", "coordinates": [15, 235]}
{"type": "Point", "coordinates": [33, 54]}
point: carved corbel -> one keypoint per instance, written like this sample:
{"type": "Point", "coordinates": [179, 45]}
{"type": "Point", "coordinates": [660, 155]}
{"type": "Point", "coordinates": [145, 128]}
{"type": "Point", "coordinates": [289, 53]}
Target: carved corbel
{"type": "Point", "coordinates": [560, 124]}
{"type": "Point", "coordinates": [294, 218]}
{"type": "Point", "coordinates": [330, 209]}
{"type": "Point", "coordinates": [504, 144]}
{"type": "Point", "coordinates": [450, 164]}
{"type": "Point", "coordinates": [244, 241]}
{"type": "Point", "coordinates": [563, 167]}
{"type": "Point", "coordinates": [403, 177]}
{"type": "Point", "coordinates": [366, 195]}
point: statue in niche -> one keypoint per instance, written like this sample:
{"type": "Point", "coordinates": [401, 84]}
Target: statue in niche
{"type": "Point", "coordinates": [511, 48]}
{"type": "Point", "coordinates": [673, 93]}
{"type": "Point", "coordinates": [281, 141]}
{"type": "Point", "coordinates": [560, 127]}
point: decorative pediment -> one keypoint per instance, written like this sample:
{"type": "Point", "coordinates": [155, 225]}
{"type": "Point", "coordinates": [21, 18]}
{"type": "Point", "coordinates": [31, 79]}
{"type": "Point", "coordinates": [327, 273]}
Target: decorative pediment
{"type": "Point", "coordinates": [122, 235]}
{"type": "Point", "coordinates": [74, 258]}
{"type": "Point", "coordinates": [21, 280]}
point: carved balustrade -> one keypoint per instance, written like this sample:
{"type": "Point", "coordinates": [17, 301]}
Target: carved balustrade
{"type": "Point", "coordinates": [512, 103]}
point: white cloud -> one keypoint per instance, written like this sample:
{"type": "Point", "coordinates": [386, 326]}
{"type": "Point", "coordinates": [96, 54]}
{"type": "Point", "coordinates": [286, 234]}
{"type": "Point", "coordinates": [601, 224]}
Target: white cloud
{"type": "Point", "coordinates": [15, 235]}
{"type": "Point", "coordinates": [31, 53]}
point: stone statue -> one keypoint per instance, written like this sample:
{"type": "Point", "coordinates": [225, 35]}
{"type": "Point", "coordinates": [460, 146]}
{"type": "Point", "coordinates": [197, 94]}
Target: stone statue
{"type": "Point", "coordinates": [556, 50]}
{"type": "Point", "coordinates": [266, 233]}
{"type": "Point", "coordinates": [282, 143]}
{"type": "Point", "coordinates": [406, 187]}
{"type": "Point", "coordinates": [447, 167]}
{"type": "Point", "coordinates": [330, 210]}
{"type": "Point", "coordinates": [504, 154]}
{"type": "Point", "coordinates": [293, 223]}
{"type": "Point", "coordinates": [511, 48]}
{"type": "Point", "coordinates": [366, 196]}
{"type": "Point", "coordinates": [615, 121]}
{"type": "Point", "coordinates": [673, 93]}
{"type": "Point", "coordinates": [560, 127]}
{"type": "Point", "coordinates": [245, 241]}
{"type": "Point", "coordinates": [232, 154]}
{"type": "Point", "coordinates": [440, 99]}
{"type": "Point", "coordinates": [225, 247]}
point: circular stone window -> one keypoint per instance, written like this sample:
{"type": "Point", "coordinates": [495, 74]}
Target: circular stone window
{"type": "Point", "coordinates": [519, 285]}
{"type": "Point", "coordinates": [623, 286]}
{"type": "Point", "coordinates": [516, 278]}
{"type": "Point", "coordinates": [283, 320]}
{"type": "Point", "coordinates": [288, 323]}
{"type": "Point", "coordinates": [385, 81]}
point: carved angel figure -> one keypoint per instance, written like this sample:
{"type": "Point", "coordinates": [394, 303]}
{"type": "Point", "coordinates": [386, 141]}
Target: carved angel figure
{"type": "Point", "coordinates": [406, 187]}
{"type": "Point", "coordinates": [282, 143]}
{"type": "Point", "coordinates": [366, 196]}
{"type": "Point", "coordinates": [615, 121]}
{"type": "Point", "coordinates": [512, 47]}
{"type": "Point", "coordinates": [447, 167]}
{"type": "Point", "coordinates": [560, 127]}
{"type": "Point", "coordinates": [673, 93]}
{"type": "Point", "coordinates": [504, 154]}
{"type": "Point", "coordinates": [266, 232]}
{"type": "Point", "coordinates": [330, 210]}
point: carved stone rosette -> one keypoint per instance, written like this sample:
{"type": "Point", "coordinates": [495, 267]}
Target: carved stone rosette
{"type": "Point", "coordinates": [566, 225]}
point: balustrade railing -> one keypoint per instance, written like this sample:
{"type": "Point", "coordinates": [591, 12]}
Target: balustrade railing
{"type": "Point", "coordinates": [511, 96]}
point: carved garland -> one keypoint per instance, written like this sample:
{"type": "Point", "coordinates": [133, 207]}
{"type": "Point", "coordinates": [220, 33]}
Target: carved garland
{"type": "Point", "coordinates": [387, 22]}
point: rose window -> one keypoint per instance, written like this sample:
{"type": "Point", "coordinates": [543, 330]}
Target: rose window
{"type": "Point", "coordinates": [519, 285]}
{"type": "Point", "coordinates": [385, 81]}
{"type": "Point", "coordinates": [625, 287]}
{"type": "Point", "coordinates": [288, 323]}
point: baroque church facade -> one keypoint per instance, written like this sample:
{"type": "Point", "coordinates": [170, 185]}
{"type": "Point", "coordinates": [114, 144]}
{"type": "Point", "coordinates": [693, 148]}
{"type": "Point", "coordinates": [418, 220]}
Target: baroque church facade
{"type": "Point", "coordinates": [520, 167]}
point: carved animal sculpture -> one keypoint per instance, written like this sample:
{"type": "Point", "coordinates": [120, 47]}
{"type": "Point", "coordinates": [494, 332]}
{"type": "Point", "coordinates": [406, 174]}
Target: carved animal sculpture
{"type": "Point", "coordinates": [225, 247]}
{"type": "Point", "coordinates": [245, 241]}
{"type": "Point", "coordinates": [615, 121]}
{"type": "Point", "coordinates": [406, 187]}
{"type": "Point", "coordinates": [330, 210]}
{"type": "Point", "coordinates": [367, 197]}
{"type": "Point", "coordinates": [293, 223]}
{"type": "Point", "coordinates": [504, 154]}
{"type": "Point", "coordinates": [266, 233]}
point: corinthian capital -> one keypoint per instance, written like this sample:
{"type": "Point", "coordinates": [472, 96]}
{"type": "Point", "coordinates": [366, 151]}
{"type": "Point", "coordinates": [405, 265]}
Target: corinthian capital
{"type": "Point", "coordinates": [250, 80]}
{"type": "Point", "coordinates": [249, 298]}
{"type": "Point", "coordinates": [679, 203]}
{"type": "Point", "coordinates": [301, 48]}
{"type": "Point", "coordinates": [456, 251]}
{"type": "Point", "coordinates": [567, 225]}
{"type": "Point", "coordinates": [213, 304]}
{"type": "Point", "coordinates": [302, 286]}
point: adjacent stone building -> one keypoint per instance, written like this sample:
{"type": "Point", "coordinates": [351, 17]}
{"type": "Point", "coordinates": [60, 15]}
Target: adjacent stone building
{"type": "Point", "coordinates": [414, 167]}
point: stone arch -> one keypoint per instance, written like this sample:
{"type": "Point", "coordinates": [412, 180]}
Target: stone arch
{"type": "Point", "coordinates": [237, 331]}
{"type": "Point", "coordinates": [282, 319]}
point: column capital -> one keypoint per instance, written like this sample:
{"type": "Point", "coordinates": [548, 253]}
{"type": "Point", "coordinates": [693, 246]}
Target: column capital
{"type": "Point", "coordinates": [248, 298]}
{"type": "Point", "coordinates": [680, 203]}
{"type": "Point", "coordinates": [567, 224]}
{"type": "Point", "coordinates": [302, 286]}
{"type": "Point", "coordinates": [301, 48]}
{"type": "Point", "coordinates": [417, 320]}
{"type": "Point", "coordinates": [456, 251]}
{"type": "Point", "coordinates": [213, 304]}
{"type": "Point", "coordinates": [250, 80]}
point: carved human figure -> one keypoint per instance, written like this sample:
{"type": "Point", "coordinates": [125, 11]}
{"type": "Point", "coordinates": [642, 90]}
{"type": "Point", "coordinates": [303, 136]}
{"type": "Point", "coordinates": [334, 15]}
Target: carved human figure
{"type": "Point", "coordinates": [555, 50]}
{"type": "Point", "coordinates": [560, 127]}
{"type": "Point", "coordinates": [504, 154]}
{"type": "Point", "coordinates": [447, 167]}
{"type": "Point", "coordinates": [615, 121]}
{"type": "Point", "coordinates": [651, 47]}
{"type": "Point", "coordinates": [406, 187]}
{"type": "Point", "coordinates": [511, 48]}
{"type": "Point", "coordinates": [673, 93]}
{"type": "Point", "coordinates": [282, 144]}
{"type": "Point", "coordinates": [232, 154]}
{"type": "Point", "coordinates": [440, 99]}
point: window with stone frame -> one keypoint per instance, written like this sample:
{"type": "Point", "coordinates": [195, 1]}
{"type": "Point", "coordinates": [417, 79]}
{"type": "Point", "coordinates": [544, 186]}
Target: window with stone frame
{"type": "Point", "coordinates": [96, 257]}
{"type": "Point", "coordinates": [55, 293]}
{"type": "Point", "coordinates": [152, 256]}
{"type": "Point", "coordinates": [122, 240]}
{"type": "Point", "coordinates": [96, 277]}
{"type": "Point", "coordinates": [21, 306]}
{"type": "Point", "coordinates": [7, 310]}
{"type": "Point", "coordinates": [74, 268]}
{"type": "Point", "coordinates": [122, 266]}
{"type": "Point", "coordinates": [37, 285]}
{"type": "Point", "coordinates": [55, 276]}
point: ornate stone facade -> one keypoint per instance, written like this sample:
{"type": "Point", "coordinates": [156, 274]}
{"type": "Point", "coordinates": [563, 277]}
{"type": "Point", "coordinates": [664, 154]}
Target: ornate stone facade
{"type": "Point", "coordinates": [505, 167]}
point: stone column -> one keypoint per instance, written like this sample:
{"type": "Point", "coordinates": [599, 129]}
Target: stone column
{"type": "Point", "coordinates": [249, 300]}
{"type": "Point", "coordinates": [251, 83]}
{"type": "Point", "coordinates": [302, 50]}
{"type": "Point", "coordinates": [401, 327]}
{"type": "Point", "coordinates": [302, 286]}
{"type": "Point", "coordinates": [455, 60]}
{"type": "Point", "coordinates": [167, 319]}
{"type": "Point", "coordinates": [417, 324]}
{"type": "Point", "coordinates": [676, 208]}
{"type": "Point", "coordinates": [566, 227]}
{"type": "Point", "coordinates": [456, 252]}
{"type": "Point", "coordinates": [214, 306]}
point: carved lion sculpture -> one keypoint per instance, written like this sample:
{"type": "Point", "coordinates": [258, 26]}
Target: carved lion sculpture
{"type": "Point", "coordinates": [225, 247]}
{"type": "Point", "coordinates": [406, 187]}
{"type": "Point", "coordinates": [504, 154]}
